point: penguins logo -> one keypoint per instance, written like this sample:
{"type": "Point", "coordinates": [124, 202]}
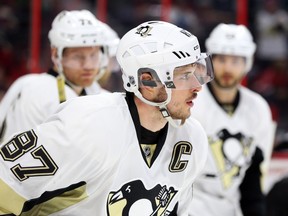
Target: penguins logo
{"type": "Point", "coordinates": [231, 152]}
{"type": "Point", "coordinates": [133, 199]}
{"type": "Point", "coordinates": [144, 31]}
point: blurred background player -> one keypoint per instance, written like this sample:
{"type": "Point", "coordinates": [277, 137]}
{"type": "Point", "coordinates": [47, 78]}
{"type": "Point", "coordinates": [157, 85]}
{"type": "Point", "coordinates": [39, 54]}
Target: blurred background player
{"type": "Point", "coordinates": [81, 47]}
{"type": "Point", "coordinates": [239, 127]}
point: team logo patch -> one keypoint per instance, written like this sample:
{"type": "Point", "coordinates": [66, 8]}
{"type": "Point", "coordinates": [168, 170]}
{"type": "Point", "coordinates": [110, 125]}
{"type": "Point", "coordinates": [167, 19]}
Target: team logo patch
{"type": "Point", "coordinates": [134, 199]}
{"type": "Point", "coordinates": [143, 31]}
{"type": "Point", "coordinates": [231, 152]}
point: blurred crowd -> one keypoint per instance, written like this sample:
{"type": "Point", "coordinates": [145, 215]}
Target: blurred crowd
{"type": "Point", "coordinates": [267, 20]}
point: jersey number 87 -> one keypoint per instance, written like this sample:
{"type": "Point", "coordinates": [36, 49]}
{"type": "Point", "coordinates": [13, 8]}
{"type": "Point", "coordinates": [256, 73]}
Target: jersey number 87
{"type": "Point", "coordinates": [24, 143]}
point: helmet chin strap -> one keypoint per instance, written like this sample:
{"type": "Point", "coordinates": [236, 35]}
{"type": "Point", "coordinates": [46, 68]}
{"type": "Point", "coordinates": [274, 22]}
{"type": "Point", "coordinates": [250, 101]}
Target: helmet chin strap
{"type": "Point", "coordinates": [165, 113]}
{"type": "Point", "coordinates": [162, 108]}
{"type": "Point", "coordinates": [103, 65]}
{"type": "Point", "coordinates": [100, 74]}
{"type": "Point", "coordinates": [60, 79]}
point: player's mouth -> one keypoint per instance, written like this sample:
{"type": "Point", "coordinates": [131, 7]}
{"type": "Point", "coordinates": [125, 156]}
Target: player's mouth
{"type": "Point", "coordinates": [226, 78]}
{"type": "Point", "coordinates": [190, 102]}
{"type": "Point", "coordinates": [87, 75]}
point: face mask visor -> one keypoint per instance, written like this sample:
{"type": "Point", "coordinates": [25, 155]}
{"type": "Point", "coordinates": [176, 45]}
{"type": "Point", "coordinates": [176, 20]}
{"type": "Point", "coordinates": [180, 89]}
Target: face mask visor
{"type": "Point", "coordinates": [195, 74]}
{"type": "Point", "coordinates": [76, 58]}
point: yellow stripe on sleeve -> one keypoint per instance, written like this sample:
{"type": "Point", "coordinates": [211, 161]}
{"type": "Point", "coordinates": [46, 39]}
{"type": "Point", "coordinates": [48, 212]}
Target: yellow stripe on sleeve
{"type": "Point", "coordinates": [10, 201]}
{"type": "Point", "coordinates": [58, 203]}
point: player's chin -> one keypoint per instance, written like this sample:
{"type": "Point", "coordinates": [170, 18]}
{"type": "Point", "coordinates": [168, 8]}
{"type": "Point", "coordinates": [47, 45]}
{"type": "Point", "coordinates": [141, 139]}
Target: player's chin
{"type": "Point", "coordinates": [87, 82]}
{"type": "Point", "coordinates": [229, 85]}
{"type": "Point", "coordinates": [185, 114]}
{"type": "Point", "coordinates": [188, 114]}
{"type": "Point", "coordinates": [181, 115]}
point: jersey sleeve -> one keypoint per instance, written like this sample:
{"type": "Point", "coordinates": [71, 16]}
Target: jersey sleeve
{"type": "Point", "coordinates": [265, 131]}
{"type": "Point", "coordinates": [7, 102]}
{"type": "Point", "coordinates": [24, 105]}
{"type": "Point", "coordinates": [252, 198]}
{"type": "Point", "coordinates": [55, 157]}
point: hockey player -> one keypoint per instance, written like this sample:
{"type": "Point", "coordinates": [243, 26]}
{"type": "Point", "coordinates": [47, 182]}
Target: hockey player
{"type": "Point", "coordinates": [79, 52]}
{"type": "Point", "coordinates": [117, 154]}
{"type": "Point", "coordinates": [240, 130]}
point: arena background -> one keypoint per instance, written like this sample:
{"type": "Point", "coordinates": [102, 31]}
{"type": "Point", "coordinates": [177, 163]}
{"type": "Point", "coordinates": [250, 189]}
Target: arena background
{"type": "Point", "coordinates": [24, 45]}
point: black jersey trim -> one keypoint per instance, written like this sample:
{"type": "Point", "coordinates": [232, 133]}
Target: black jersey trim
{"type": "Point", "coordinates": [48, 195]}
{"type": "Point", "coordinates": [160, 135]}
{"type": "Point", "coordinates": [234, 104]}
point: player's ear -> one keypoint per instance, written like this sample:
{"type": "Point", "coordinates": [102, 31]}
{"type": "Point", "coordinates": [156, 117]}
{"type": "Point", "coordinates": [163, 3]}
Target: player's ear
{"type": "Point", "coordinates": [55, 59]}
{"type": "Point", "coordinates": [146, 80]}
{"type": "Point", "coordinates": [53, 52]}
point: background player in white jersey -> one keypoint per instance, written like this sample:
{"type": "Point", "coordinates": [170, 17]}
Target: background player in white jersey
{"type": "Point", "coordinates": [80, 49]}
{"type": "Point", "coordinates": [239, 127]}
{"type": "Point", "coordinates": [117, 154]}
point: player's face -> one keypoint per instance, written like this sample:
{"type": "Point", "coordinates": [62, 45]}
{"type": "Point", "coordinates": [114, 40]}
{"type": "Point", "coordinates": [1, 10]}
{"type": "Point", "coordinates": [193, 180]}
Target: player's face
{"type": "Point", "coordinates": [81, 64]}
{"type": "Point", "coordinates": [229, 70]}
{"type": "Point", "coordinates": [182, 100]}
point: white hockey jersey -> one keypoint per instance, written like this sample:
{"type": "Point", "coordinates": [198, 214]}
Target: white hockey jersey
{"type": "Point", "coordinates": [232, 140]}
{"type": "Point", "coordinates": [86, 160]}
{"type": "Point", "coordinates": [30, 100]}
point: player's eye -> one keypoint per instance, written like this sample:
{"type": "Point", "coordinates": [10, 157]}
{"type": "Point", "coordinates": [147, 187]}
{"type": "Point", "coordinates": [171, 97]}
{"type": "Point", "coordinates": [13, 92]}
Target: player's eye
{"type": "Point", "coordinates": [78, 57]}
{"type": "Point", "coordinates": [185, 76]}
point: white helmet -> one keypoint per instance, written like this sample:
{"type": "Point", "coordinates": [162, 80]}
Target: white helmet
{"type": "Point", "coordinates": [231, 39]}
{"type": "Point", "coordinates": [112, 41]}
{"type": "Point", "coordinates": [158, 47]}
{"type": "Point", "coordinates": [78, 28]}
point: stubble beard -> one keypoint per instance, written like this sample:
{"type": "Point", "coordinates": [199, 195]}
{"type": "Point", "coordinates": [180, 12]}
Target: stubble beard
{"type": "Point", "coordinates": [228, 86]}
{"type": "Point", "coordinates": [177, 112]}
{"type": "Point", "coordinates": [181, 113]}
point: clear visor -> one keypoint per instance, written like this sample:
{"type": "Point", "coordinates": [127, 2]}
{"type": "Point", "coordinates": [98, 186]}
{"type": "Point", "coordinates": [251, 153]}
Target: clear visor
{"type": "Point", "coordinates": [188, 76]}
{"type": "Point", "coordinates": [193, 75]}
{"type": "Point", "coordinates": [79, 58]}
